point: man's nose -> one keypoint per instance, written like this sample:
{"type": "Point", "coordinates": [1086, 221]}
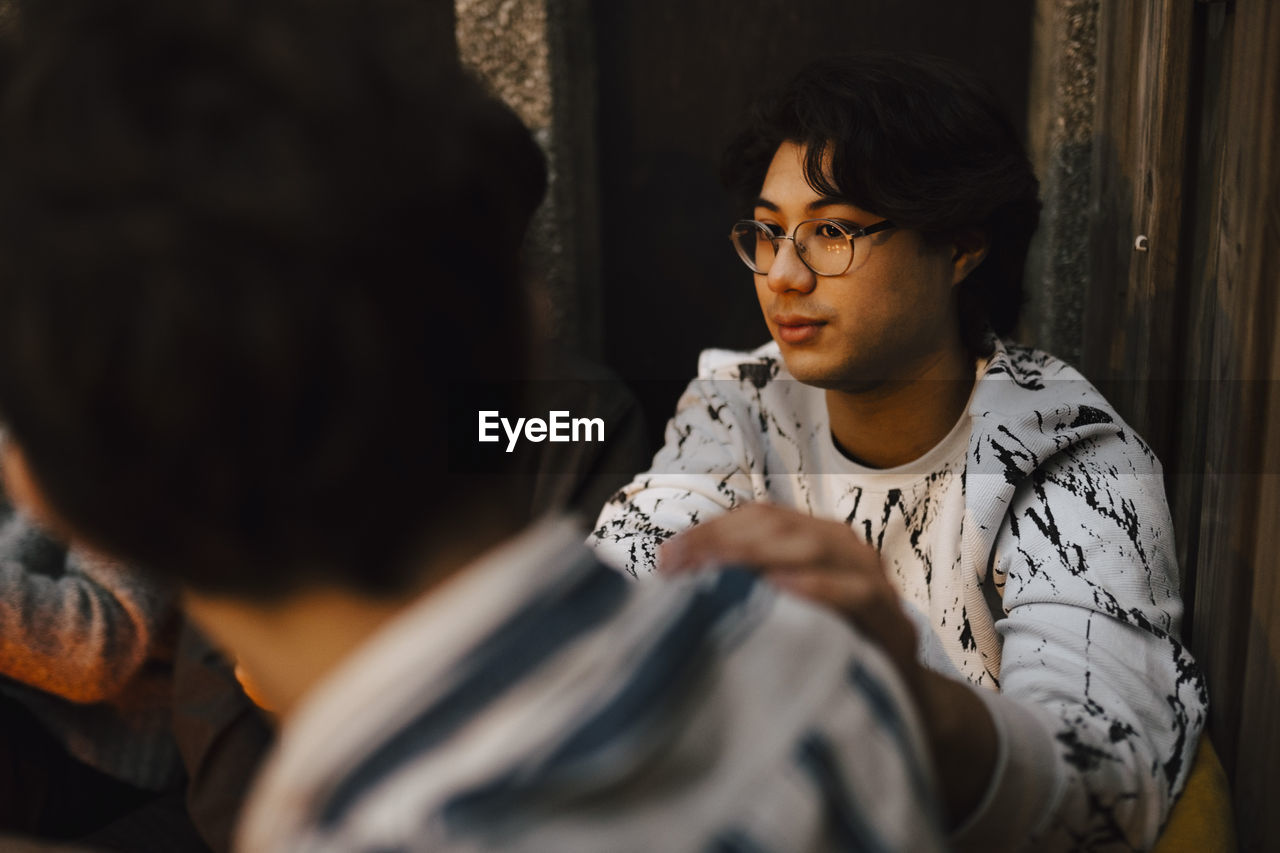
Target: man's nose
{"type": "Point", "coordinates": [788, 272]}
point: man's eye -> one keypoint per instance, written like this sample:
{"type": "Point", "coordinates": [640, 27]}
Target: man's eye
{"type": "Point", "coordinates": [774, 229]}
{"type": "Point", "coordinates": [830, 231]}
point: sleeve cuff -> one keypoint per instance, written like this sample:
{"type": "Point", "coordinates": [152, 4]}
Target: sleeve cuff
{"type": "Point", "coordinates": [1025, 785]}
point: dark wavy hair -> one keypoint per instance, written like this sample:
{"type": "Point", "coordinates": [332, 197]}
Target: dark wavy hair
{"type": "Point", "coordinates": [253, 253]}
{"type": "Point", "coordinates": [914, 139]}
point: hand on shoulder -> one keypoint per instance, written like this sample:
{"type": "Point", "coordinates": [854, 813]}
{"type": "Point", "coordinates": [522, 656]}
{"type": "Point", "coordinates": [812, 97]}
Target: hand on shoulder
{"type": "Point", "coordinates": [823, 561]}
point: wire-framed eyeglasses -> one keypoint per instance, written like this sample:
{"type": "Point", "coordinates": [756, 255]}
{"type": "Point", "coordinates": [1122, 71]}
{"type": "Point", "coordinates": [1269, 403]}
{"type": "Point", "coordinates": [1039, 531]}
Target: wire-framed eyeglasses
{"type": "Point", "coordinates": [823, 245]}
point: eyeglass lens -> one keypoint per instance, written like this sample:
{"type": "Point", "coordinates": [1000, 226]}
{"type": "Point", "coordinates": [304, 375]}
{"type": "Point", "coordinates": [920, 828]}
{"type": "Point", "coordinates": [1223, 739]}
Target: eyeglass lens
{"type": "Point", "coordinates": [823, 246]}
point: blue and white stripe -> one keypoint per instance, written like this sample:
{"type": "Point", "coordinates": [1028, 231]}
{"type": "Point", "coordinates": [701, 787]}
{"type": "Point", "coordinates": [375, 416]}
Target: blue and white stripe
{"type": "Point", "coordinates": [596, 714]}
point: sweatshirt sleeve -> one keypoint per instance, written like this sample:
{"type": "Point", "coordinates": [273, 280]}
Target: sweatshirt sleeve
{"type": "Point", "coordinates": [72, 624]}
{"type": "Point", "coordinates": [1101, 707]}
{"type": "Point", "coordinates": [705, 468]}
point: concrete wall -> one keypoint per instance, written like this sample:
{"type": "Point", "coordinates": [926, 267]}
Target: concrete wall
{"type": "Point", "coordinates": [1060, 125]}
{"type": "Point", "coordinates": [537, 55]}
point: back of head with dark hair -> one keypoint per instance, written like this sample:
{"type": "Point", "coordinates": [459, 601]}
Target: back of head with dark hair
{"type": "Point", "coordinates": [249, 249]}
{"type": "Point", "coordinates": [916, 140]}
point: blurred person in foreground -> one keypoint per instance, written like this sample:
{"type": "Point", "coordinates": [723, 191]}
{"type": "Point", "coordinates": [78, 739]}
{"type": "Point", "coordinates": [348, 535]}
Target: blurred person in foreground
{"type": "Point", "coordinates": [975, 506]}
{"type": "Point", "coordinates": [258, 258]}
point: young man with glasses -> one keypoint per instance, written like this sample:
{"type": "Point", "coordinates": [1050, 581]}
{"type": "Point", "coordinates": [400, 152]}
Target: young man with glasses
{"type": "Point", "coordinates": [234, 239]}
{"type": "Point", "coordinates": [975, 506]}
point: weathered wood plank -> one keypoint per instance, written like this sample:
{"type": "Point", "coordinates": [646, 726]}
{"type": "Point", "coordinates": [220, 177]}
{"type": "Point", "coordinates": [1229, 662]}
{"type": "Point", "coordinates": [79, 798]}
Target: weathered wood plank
{"type": "Point", "coordinates": [1214, 521]}
{"type": "Point", "coordinates": [1252, 163]}
{"type": "Point", "coordinates": [1183, 337]}
{"type": "Point", "coordinates": [1136, 304]}
{"type": "Point", "coordinates": [1185, 468]}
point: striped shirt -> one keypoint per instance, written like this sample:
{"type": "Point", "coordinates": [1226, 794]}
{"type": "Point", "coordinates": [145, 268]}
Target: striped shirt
{"type": "Point", "coordinates": [541, 701]}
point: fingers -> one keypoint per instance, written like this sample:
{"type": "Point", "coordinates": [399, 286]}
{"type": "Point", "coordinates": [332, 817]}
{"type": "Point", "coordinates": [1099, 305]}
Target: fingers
{"type": "Point", "coordinates": [770, 539]}
{"type": "Point", "coordinates": [822, 561]}
{"type": "Point", "coordinates": [847, 592]}
{"type": "Point", "coordinates": [867, 600]}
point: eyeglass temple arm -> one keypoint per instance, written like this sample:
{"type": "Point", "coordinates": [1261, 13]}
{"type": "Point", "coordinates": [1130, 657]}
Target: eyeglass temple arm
{"type": "Point", "coordinates": [883, 225]}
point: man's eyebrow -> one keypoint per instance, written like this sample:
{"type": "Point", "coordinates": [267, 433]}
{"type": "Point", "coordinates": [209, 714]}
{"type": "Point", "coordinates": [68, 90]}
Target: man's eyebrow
{"type": "Point", "coordinates": [816, 204]}
{"type": "Point", "coordinates": [827, 201]}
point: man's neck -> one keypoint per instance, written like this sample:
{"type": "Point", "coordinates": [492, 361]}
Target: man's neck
{"type": "Point", "coordinates": [900, 420]}
{"type": "Point", "coordinates": [286, 648]}
{"type": "Point", "coordinates": [283, 650]}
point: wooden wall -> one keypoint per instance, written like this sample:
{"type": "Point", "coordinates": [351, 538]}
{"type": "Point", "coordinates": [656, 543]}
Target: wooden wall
{"type": "Point", "coordinates": [1183, 336]}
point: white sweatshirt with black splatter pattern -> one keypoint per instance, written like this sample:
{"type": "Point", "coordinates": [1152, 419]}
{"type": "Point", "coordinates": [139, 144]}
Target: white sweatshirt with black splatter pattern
{"type": "Point", "coordinates": [1035, 540]}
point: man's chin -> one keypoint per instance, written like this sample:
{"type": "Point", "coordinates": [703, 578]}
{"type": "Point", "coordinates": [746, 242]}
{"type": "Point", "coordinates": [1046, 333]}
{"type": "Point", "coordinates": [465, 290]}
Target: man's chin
{"type": "Point", "coordinates": [810, 371]}
{"type": "Point", "coordinates": [845, 385]}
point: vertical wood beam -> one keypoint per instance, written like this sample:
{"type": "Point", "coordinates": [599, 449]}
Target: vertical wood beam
{"type": "Point", "coordinates": [1140, 164]}
{"type": "Point", "coordinates": [1249, 287]}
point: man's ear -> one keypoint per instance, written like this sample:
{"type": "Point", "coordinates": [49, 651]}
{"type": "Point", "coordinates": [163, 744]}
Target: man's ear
{"type": "Point", "coordinates": [969, 249]}
{"type": "Point", "coordinates": [25, 493]}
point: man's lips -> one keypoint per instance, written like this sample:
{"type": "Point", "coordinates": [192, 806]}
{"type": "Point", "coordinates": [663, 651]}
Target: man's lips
{"type": "Point", "coordinates": [798, 329]}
